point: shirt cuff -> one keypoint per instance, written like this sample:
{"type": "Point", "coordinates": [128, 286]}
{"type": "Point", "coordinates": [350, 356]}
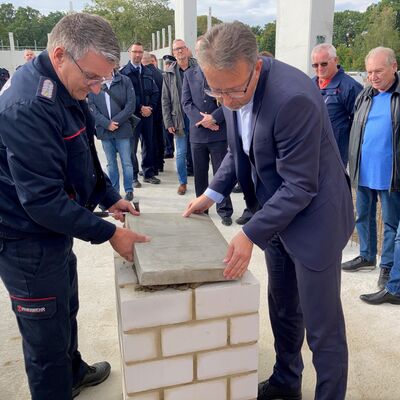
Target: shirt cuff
{"type": "Point", "coordinates": [213, 195]}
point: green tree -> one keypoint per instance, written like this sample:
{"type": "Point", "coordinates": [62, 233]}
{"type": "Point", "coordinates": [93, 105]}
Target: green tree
{"type": "Point", "coordinates": [347, 25]}
{"type": "Point", "coordinates": [202, 24]}
{"type": "Point", "coordinates": [380, 32]}
{"type": "Point", "coordinates": [134, 20]}
{"type": "Point", "coordinates": [266, 41]}
{"type": "Point", "coordinates": [7, 14]}
{"type": "Point", "coordinates": [25, 26]}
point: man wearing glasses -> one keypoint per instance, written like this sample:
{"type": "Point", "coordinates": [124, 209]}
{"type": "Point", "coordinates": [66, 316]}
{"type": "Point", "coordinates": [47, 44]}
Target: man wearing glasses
{"type": "Point", "coordinates": [175, 119]}
{"type": "Point", "coordinates": [339, 92]}
{"type": "Point", "coordinates": [281, 136]}
{"type": "Point", "coordinates": [50, 182]}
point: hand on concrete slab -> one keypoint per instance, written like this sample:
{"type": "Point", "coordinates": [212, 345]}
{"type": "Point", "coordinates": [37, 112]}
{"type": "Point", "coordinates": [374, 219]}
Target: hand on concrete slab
{"type": "Point", "coordinates": [198, 205]}
{"type": "Point", "coordinates": [123, 242]}
{"type": "Point", "coordinates": [119, 207]}
{"type": "Point", "coordinates": [238, 256]}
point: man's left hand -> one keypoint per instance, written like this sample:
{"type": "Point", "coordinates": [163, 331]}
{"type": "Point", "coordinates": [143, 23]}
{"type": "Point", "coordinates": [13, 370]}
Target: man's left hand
{"type": "Point", "coordinates": [120, 207]}
{"type": "Point", "coordinates": [238, 256]}
{"type": "Point", "coordinates": [207, 121]}
{"type": "Point", "coordinates": [146, 111]}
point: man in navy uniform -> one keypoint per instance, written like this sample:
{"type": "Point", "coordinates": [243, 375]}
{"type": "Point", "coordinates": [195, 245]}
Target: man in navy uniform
{"type": "Point", "coordinates": [50, 182]}
{"type": "Point", "coordinates": [279, 132]}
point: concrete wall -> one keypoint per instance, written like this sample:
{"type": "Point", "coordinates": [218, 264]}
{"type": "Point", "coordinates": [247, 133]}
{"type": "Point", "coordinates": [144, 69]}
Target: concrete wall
{"type": "Point", "coordinates": [300, 26]}
{"type": "Point", "coordinates": [192, 344]}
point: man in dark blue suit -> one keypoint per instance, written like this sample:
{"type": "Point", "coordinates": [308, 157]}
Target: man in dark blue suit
{"type": "Point", "coordinates": [207, 135]}
{"type": "Point", "coordinates": [279, 133]}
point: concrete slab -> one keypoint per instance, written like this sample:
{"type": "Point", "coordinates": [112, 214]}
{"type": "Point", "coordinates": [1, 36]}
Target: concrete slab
{"type": "Point", "coordinates": [182, 250]}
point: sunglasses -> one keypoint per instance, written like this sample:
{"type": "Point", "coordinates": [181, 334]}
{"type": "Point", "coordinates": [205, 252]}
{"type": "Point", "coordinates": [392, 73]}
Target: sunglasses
{"type": "Point", "coordinates": [323, 64]}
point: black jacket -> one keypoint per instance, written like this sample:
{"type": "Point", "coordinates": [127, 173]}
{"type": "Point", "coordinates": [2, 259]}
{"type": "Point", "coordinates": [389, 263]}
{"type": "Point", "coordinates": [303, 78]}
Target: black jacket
{"type": "Point", "coordinates": [50, 176]}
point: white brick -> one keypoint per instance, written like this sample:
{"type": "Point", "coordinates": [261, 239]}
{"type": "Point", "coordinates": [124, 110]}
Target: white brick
{"type": "Point", "coordinates": [157, 374]}
{"type": "Point", "coordinates": [146, 396]}
{"type": "Point", "coordinates": [227, 362]}
{"type": "Point", "coordinates": [228, 298]}
{"type": "Point", "coordinates": [140, 346]}
{"type": "Point", "coordinates": [212, 390]}
{"type": "Point", "coordinates": [195, 337]}
{"type": "Point", "coordinates": [244, 329]}
{"type": "Point", "coordinates": [141, 309]}
{"type": "Point", "coordinates": [244, 387]}
{"type": "Point", "coordinates": [124, 273]}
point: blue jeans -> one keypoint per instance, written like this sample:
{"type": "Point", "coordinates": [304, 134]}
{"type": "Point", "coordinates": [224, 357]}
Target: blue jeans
{"type": "Point", "coordinates": [393, 285]}
{"type": "Point", "coordinates": [366, 223]}
{"type": "Point", "coordinates": [181, 150]}
{"type": "Point", "coordinates": [111, 148]}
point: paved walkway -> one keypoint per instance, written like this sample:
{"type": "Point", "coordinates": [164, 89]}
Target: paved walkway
{"type": "Point", "coordinates": [373, 332]}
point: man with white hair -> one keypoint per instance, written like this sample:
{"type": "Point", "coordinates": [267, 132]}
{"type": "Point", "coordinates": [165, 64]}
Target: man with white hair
{"type": "Point", "coordinates": [339, 92]}
{"type": "Point", "coordinates": [374, 159]}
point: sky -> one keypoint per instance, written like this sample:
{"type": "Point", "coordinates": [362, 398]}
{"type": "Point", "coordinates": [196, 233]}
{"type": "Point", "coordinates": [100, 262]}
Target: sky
{"type": "Point", "coordinates": [252, 12]}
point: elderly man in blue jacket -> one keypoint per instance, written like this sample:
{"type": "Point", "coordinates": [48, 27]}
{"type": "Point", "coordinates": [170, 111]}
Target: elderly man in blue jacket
{"type": "Point", "coordinates": [339, 92]}
{"type": "Point", "coordinates": [112, 109]}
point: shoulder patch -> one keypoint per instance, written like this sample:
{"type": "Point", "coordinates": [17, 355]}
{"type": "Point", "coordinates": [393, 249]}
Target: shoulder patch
{"type": "Point", "coordinates": [47, 89]}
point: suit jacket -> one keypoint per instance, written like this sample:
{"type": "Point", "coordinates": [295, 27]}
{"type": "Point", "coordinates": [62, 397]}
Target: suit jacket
{"type": "Point", "coordinates": [298, 177]}
{"type": "Point", "coordinates": [194, 101]}
{"type": "Point", "coordinates": [121, 88]}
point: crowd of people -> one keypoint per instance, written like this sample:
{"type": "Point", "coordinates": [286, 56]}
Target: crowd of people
{"type": "Point", "coordinates": [287, 148]}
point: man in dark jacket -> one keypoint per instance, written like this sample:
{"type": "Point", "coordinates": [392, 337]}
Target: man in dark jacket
{"type": "Point", "coordinates": [279, 132]}
{"type": "Point", "coordinates": [207, 134]}
{"type": "Point", "coordinates": [112, 109]}
{"type": "Point", "coordinates": [4, 77]}
{"type": "Point", "coordinates": [158, 126]}
{"type": "Point", "coordinates": [147, 96]}
{"type": "Point", "coordinates": [50, 182]}
{"type": "Point", "coordinates": [374, 163]}
{"type": "Point", "coordinates": [339, 92]}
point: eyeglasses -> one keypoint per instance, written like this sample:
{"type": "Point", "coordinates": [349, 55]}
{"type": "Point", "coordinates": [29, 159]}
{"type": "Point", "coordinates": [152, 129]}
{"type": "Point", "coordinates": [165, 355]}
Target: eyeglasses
{"type": "Point", "coordinates": [89, 80]}
{"type": "Point", "coordinates": [323, 64]}
{"type": "Point", "coordinates": [179, 48]}
{"type": "Point", "coordinates": [233, 94]}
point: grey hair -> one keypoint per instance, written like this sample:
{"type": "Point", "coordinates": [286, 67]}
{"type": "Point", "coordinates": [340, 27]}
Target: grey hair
{"type": "Point", "coordinates": [79, 33]}
{"type": "Point", "coordinates": [224, 44]}
{"type": "Point", "coordinates": [390, 55]}
{"type": "Point", "coordinates": [329, 48]}
{"type": "Point", "coordinates": [178, 40]}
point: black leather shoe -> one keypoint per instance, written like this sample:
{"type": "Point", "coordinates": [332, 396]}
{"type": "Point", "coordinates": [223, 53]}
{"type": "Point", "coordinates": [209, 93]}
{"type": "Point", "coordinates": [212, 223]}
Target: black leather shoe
{"type": "Point", "coordinates": [357, 264]}
{"type": "Point", "coordinates": [383, 296]}
{"type": "Point", "coordinates": [136, 184]}
{"type": "Point", "coordinates": [227, 221]}
{"type": "Point", "coordinates": [244, 218]}
{"type": "Point", "coordinates": [129, 196]}
{"type": "Point", "coordinates": [266, 391]}
{"type": "Point", "coordinates": [96, 374]}
{"type": "Point", "coordinates": [153, 180]}
{"type": "Point", "coordinates": [383, 277]}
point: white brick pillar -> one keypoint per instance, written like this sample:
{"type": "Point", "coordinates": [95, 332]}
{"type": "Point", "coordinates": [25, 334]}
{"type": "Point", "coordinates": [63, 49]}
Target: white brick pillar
{"type": "Point", "coordinates": [186, 21]}
{"type": "Point", "coordinates": [196, 344]}
{"type": "Point", "coordinates": [300, 26]}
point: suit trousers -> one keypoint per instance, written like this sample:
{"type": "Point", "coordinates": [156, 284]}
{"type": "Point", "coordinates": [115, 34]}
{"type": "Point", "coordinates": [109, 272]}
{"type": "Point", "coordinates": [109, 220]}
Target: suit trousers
{"type": "Point", "coordinates": [144, 131]}
{"type": "Point", "coordinates": [41, 278]}
{"type": "Point", "coordinates": [303, 300]}
{"type": "Point", "coordinates": [201, 154]}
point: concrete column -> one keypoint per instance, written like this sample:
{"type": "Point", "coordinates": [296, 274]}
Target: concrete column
{"type": "Point", "coordinates": [170, 36]}
{"type": "Point", "coordinates": [186, 21]}
{"type": "Point", "coordinates": [300, 26]}
{"type": "Point", "coordinates": [163, 37]}
{"type": "Point", "coordinates": [12, 50]}
{"type": "Point", "coordinates": [209, 19]}
{"type": "Point", "coordinates": [158, 40]}
{"type": "Point", "coordinates": [153, 41]}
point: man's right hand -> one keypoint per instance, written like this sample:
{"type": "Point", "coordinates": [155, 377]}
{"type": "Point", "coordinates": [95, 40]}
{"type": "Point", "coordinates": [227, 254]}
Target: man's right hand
{"type": "Point", "coordinates": [171, 129]}
{"type": "Point", "coordinates": [113, 126]}
{"type": "Point", "coordinates": [123, 242]}
{"type": "Point", "coordinates": [198, 205]}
